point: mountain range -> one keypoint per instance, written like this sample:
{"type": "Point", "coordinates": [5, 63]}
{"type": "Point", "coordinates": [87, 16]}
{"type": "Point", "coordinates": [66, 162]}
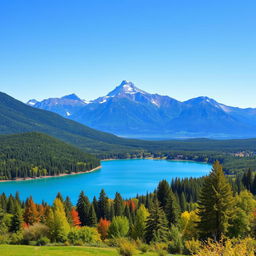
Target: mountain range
{"type": "Point", "coordinates": [128, 111]}
{"type": "Point", "coordinates": [17, 117]}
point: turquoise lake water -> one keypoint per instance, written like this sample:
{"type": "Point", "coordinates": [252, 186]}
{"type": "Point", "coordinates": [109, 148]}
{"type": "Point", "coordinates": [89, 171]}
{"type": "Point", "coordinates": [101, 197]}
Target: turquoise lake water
{"type": "Point", "coordinates": [128, 177]}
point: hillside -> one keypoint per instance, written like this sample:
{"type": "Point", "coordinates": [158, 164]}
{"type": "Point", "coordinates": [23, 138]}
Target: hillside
{"type": "Point", "coordinates": [17, 117]}
{"type": "Point", "coordinates": [35, 154]}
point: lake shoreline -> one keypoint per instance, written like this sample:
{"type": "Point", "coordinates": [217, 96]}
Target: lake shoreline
{"type": "Point", "coordinates": [56, 176]}
{"type": "Point", "coordinates": [156, 158]}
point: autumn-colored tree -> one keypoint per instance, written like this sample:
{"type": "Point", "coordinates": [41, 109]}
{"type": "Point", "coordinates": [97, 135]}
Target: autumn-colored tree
{"type": "Point", "coordinates": [103, 227]}
{"type": "Point", "coordinates": [75, 218]}
{"type": "Point", "coordinates": [31, 214]}
{"type": "Point", "coordinates": [188, 224]}
{"type": "Point", "coordinates": [60, 226]}
{"type": "Point", "coordinates": [41, 213]}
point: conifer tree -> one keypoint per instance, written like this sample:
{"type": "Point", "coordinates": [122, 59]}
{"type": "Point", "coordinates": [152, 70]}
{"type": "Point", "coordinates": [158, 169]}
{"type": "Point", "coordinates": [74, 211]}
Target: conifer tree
{"type": "Point", "coordinates": [17, 219]}
{"type": "Point", "coordinates": [156, 225]}
{"type": "Point", "coordinates": [162, 192]}
{"type": "Point", "coordinates": [92, 217]}
{"type": "Point", "coordinates": [215, 205]}
{"type": "Point", "coordinates": [118, 205]}
{"type": "Point", "coordinates": [183, 202]}
{"type": "Point", "coordinates": [111, 212]}
{"type": "Point", "coordinates": [59, 195]}
{"type": "Point", "coordinates": [95, 204]}
{"type": "Point", "coordinates": [83, 207]}
{"type": "Point", "coordinates": [11, 205]}
{"type": "Point", "coordinates": [172, 209]}
{"type": "Point", "coordinates": [68, 207]}
{"type": "Point", "coordinates": [103, 206]}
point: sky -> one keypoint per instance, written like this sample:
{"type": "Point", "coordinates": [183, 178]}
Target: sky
{"type": "Point", "coordinates": [179, 48]}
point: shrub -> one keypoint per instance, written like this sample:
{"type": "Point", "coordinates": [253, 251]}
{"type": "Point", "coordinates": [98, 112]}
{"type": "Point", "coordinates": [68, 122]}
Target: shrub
{"type": "Point", "coordinates": [73, 235]}
{"type": "Point", "coordinates": [89, 235]}
{"type": "Point", "coordinates": [16, 238]}
{"type": "Point", "coordinates": [35, 232]}
{"type": "Point", "coordinates": [193, 246]}
{"type": "Point", "coordinates": [119, 227]}
{"type": "Point", "coordinates": [80, 236]}
{"type": "Point", "coordinates": [5, 239]}
{"type": "Point", "coordinates": [126, 248]}
{"type": "Point", "coordinates": [176, 245]}
{"type": "Point", "coordinates": [245, 247]}
{"type": "Point", "coordinates": [43, 241]}
{"type": "Point", "coordinates": [144, 248]}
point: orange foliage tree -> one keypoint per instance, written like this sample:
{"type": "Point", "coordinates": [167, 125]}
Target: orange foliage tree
{"type": "Point", "coordinates": [103, 227]}
{"type": "Point", "coordinates": [31, 215]}
{"type": "Point", "coordinates": [75, 218]}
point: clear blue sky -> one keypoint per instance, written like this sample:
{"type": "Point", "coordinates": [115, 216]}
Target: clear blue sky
{"type": "Point", "coordinates": [180, 48]}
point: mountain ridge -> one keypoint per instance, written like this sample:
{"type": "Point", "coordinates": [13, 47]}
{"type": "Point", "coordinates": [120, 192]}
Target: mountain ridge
{"type": "Point", "coordinates": [131, 112]}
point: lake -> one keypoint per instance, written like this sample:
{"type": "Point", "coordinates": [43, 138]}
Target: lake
{"type": "Point", "coordinates": [128, 177]}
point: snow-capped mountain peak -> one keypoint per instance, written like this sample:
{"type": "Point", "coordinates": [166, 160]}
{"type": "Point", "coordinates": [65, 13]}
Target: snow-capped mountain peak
{"type": "Point", "coordinates": [126, 87]}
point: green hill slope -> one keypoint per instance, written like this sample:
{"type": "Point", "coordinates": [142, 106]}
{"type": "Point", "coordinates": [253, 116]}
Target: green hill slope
{"type": "Point", "coordinates": [17, 117]}
{"type": "Point", "coordinates": [35, 154]}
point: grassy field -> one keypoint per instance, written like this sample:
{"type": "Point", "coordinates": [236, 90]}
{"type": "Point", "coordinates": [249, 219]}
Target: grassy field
{"type": "Point", "coordinates": [21, 250]}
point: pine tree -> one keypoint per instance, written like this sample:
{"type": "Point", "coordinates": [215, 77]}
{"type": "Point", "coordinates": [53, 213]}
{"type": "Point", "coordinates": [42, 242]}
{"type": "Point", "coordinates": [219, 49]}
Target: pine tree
{"type": "Point", "coordinates": [103, 206]}
{"type": "Point", "coordinates": [92, 217]}
{"type": "Point", "coordinates": [183, 202]}
{"type": "Point", "coordinates": [11, 205]}
{"type": "Point", "coordinates": [17, 219]}
{"type": "Point", "coordinates": [118, 205]}
{"type": "Point", "coordinates": [68, 207]}
{"type": "Point", "coordinates": [83, 207]}
{"type": "Point", "coordinates": [162, 192]}
{"type": "Point", "coordinates": [172, 209]}
{"type": "Point", "coordinates": [95, 204]}
{"type": "Point", "coordinates": [156, 225]}
{"type": "Point", "coordinates": [215, 205]}
{"type": "Point", "coordinates": [59, 195]}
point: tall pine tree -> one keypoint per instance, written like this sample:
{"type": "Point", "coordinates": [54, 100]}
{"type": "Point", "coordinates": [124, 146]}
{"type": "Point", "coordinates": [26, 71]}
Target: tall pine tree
{"type": "Point", "coordinates": [156, 225]}
{"type": "Point", "coordinates": [215, 204]}
{"type": "Point", "coordinates": [83, 208]}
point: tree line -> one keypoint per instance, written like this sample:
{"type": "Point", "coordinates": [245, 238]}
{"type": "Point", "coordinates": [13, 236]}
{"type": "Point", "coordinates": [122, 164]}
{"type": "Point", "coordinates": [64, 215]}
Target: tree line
{"type": "Point", "coordinates": [34, 155]}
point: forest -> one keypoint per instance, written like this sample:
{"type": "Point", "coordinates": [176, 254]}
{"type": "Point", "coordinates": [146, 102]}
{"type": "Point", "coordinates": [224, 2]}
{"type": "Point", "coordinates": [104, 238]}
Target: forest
{"type": "Point", "coordinates": [34, 155]}
{"type": "Point", "coordinates": [213, 215]}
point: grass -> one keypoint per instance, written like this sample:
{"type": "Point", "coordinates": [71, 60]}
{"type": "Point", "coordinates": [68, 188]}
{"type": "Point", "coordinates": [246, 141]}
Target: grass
{"type": "Point", "coordinates": [23, 250]}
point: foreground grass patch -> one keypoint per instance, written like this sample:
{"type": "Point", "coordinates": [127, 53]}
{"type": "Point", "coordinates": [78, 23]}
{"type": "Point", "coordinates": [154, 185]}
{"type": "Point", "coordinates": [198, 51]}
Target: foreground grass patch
{"type": "Point", "coordinates": [23, 250]}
